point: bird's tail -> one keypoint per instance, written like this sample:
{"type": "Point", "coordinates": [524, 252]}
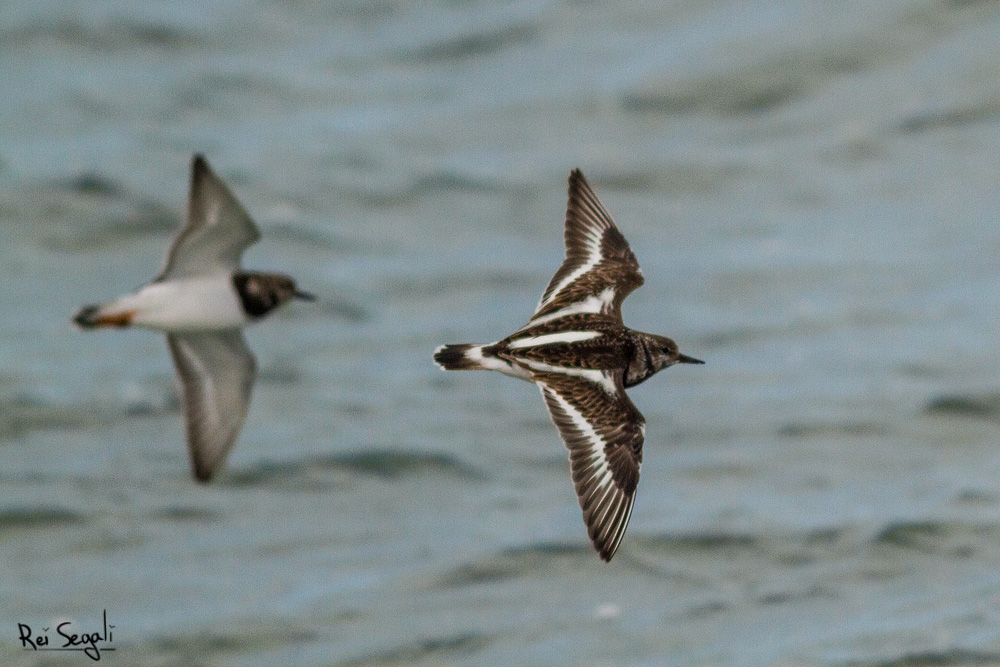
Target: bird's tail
{"type": "Point", "coordinates": [103, 315]}
{"type": "Point", "coordinates": [465, 357]}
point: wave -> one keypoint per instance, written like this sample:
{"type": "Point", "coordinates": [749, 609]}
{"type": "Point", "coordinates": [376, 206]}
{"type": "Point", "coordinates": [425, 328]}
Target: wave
{"type": "Point", "coordinates": [186, 515]}
{"type": "Point", "coordinates": [941, 537]}
{"type": "Point", "coordinates": [956, 657]}
{"type": "Point", "coordinates": [983, 406]}
{"type": "Point", "coordinates": [435, 649]}
{"type": "Point", "coordinates": [515, 563]}
{"type": "Point", "coordinates": [38, 518]}
{"type": "Point", "coordinates": [323, 471]}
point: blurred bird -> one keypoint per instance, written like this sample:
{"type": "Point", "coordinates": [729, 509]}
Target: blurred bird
{"type": "Point", "coordinates": [201, 300]}
{"type": "Point", "coordinates": [582, 357]}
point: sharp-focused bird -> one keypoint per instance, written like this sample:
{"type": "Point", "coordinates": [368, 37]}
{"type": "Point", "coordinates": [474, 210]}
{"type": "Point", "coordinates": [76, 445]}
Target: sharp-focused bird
{"type": "Point", "coordinates": [582, 357]}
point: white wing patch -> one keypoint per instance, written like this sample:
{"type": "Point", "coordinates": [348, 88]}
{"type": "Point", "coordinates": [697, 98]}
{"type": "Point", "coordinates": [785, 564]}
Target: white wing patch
{"type": "Point", "coordinates": [594, 439]}
{"type": "Point", "coordinates": [593, 304]}
{"type": "Point", "coordinates": [594, 257]}
{"type": "Point", "coordinates": [595, 376]}
{"type": "Point", "coordinates": [552, 339]}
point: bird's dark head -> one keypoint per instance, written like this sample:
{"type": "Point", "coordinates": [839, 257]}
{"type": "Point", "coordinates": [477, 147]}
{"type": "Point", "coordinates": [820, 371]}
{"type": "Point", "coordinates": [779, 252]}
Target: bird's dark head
{"type": "Point", "coordinates": [653, 354]}
{"type": "Point", "coordinates": [260, 293]}
{"type": "Point", "coordinates": [667, 354]}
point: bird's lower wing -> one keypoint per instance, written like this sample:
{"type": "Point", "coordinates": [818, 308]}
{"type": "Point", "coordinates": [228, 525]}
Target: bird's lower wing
{"type": "Point", "coordinates": [217, 372]}
{"type": "Point", "coordinates": [604, 433]}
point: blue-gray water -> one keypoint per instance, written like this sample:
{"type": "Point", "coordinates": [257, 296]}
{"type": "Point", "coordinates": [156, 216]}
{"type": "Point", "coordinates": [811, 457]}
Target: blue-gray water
{"type": "Point", "coordinates": [811, 187]}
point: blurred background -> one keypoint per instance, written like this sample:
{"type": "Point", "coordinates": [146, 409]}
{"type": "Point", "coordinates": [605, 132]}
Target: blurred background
{"type": "Point", "coordinates": [811, 188]}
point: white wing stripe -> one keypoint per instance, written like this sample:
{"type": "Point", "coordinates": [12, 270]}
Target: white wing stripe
{"type": "Point", "coordinates": [593, 260]}
{"type": "Point", "coordinates": [593, 474]}
{"type": "Point", "coordinates": [597, 443]}
{"type": "Point", "coordinates": [598, 495]}
{"type": "Point", "coordinates": [592, 304]}
{"type": "Point", "coordinates": [553, 338]}
{"type": "Point", "coordinates": [596, 376]}
{"type": "Point", "coordinates": [613, 531]}
{"type": "Point", "coordinates": [604, 502]}
{"type": "Point", "coordinates": [598, 489]}
{"type": "Point", "coordinates": [627, 513]}
{"type": "Point", "coordinates": [610, 511]}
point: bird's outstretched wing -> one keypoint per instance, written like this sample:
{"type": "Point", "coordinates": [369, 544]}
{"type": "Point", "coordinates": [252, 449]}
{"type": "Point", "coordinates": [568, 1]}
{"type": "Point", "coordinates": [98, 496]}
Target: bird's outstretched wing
{"type": "Point", "coordinates": [604, 433]}
{"type": "Point", "coordinates": [217, 231]}
{"type": "Point", "coordinates": [217, 372]}
{"type": "Point", "coordinates": [600, 269]}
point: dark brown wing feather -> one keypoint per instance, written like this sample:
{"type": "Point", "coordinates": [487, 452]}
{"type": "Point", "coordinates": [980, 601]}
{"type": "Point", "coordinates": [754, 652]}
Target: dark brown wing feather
{"type": "Point", "coordinates": [604, 433]}
{"type": "Point", "coordinates": [597, 257]}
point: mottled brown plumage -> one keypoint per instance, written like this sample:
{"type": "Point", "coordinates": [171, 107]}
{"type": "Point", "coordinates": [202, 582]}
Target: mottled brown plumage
{"type": "Point", "coordinates": [582, 357]}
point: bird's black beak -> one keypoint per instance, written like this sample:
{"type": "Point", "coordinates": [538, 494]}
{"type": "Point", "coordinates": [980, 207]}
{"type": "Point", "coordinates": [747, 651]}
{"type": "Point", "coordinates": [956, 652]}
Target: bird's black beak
{"type": "Point", "coordinates": [684, 359]}
{"type": "Point", "coordinates": [305, 296]}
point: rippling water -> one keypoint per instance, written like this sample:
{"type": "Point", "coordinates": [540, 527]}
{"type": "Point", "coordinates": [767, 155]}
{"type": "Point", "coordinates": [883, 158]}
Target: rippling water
{"type": "Point", "coordinates": [811, 188]}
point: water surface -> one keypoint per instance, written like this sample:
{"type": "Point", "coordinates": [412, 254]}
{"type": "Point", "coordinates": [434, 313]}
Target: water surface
{"type": "Point", "coordinates": [811, 189]}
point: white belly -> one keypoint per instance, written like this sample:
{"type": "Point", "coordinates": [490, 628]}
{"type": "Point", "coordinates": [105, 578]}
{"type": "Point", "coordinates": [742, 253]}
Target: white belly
{"type": "Point", "coordinates": [194, 304]}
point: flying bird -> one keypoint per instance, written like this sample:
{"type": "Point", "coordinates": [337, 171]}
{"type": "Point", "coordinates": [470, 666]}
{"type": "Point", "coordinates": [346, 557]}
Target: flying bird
{"type": "Point", "coordinates": [202, 299]}
{"type": "Point", "coordinates": [581, 355]}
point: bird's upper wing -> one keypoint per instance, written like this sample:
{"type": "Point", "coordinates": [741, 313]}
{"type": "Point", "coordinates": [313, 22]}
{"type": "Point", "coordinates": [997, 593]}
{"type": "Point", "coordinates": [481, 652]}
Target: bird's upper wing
{"type": "Point", "coordinates": [217, 372]}
{"type": "Point", "coordinates": [604, 433]}
{"type": "Point", "coordinates": [217, 231]}
{"type": "Point", "coordinates": [599, 270]}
